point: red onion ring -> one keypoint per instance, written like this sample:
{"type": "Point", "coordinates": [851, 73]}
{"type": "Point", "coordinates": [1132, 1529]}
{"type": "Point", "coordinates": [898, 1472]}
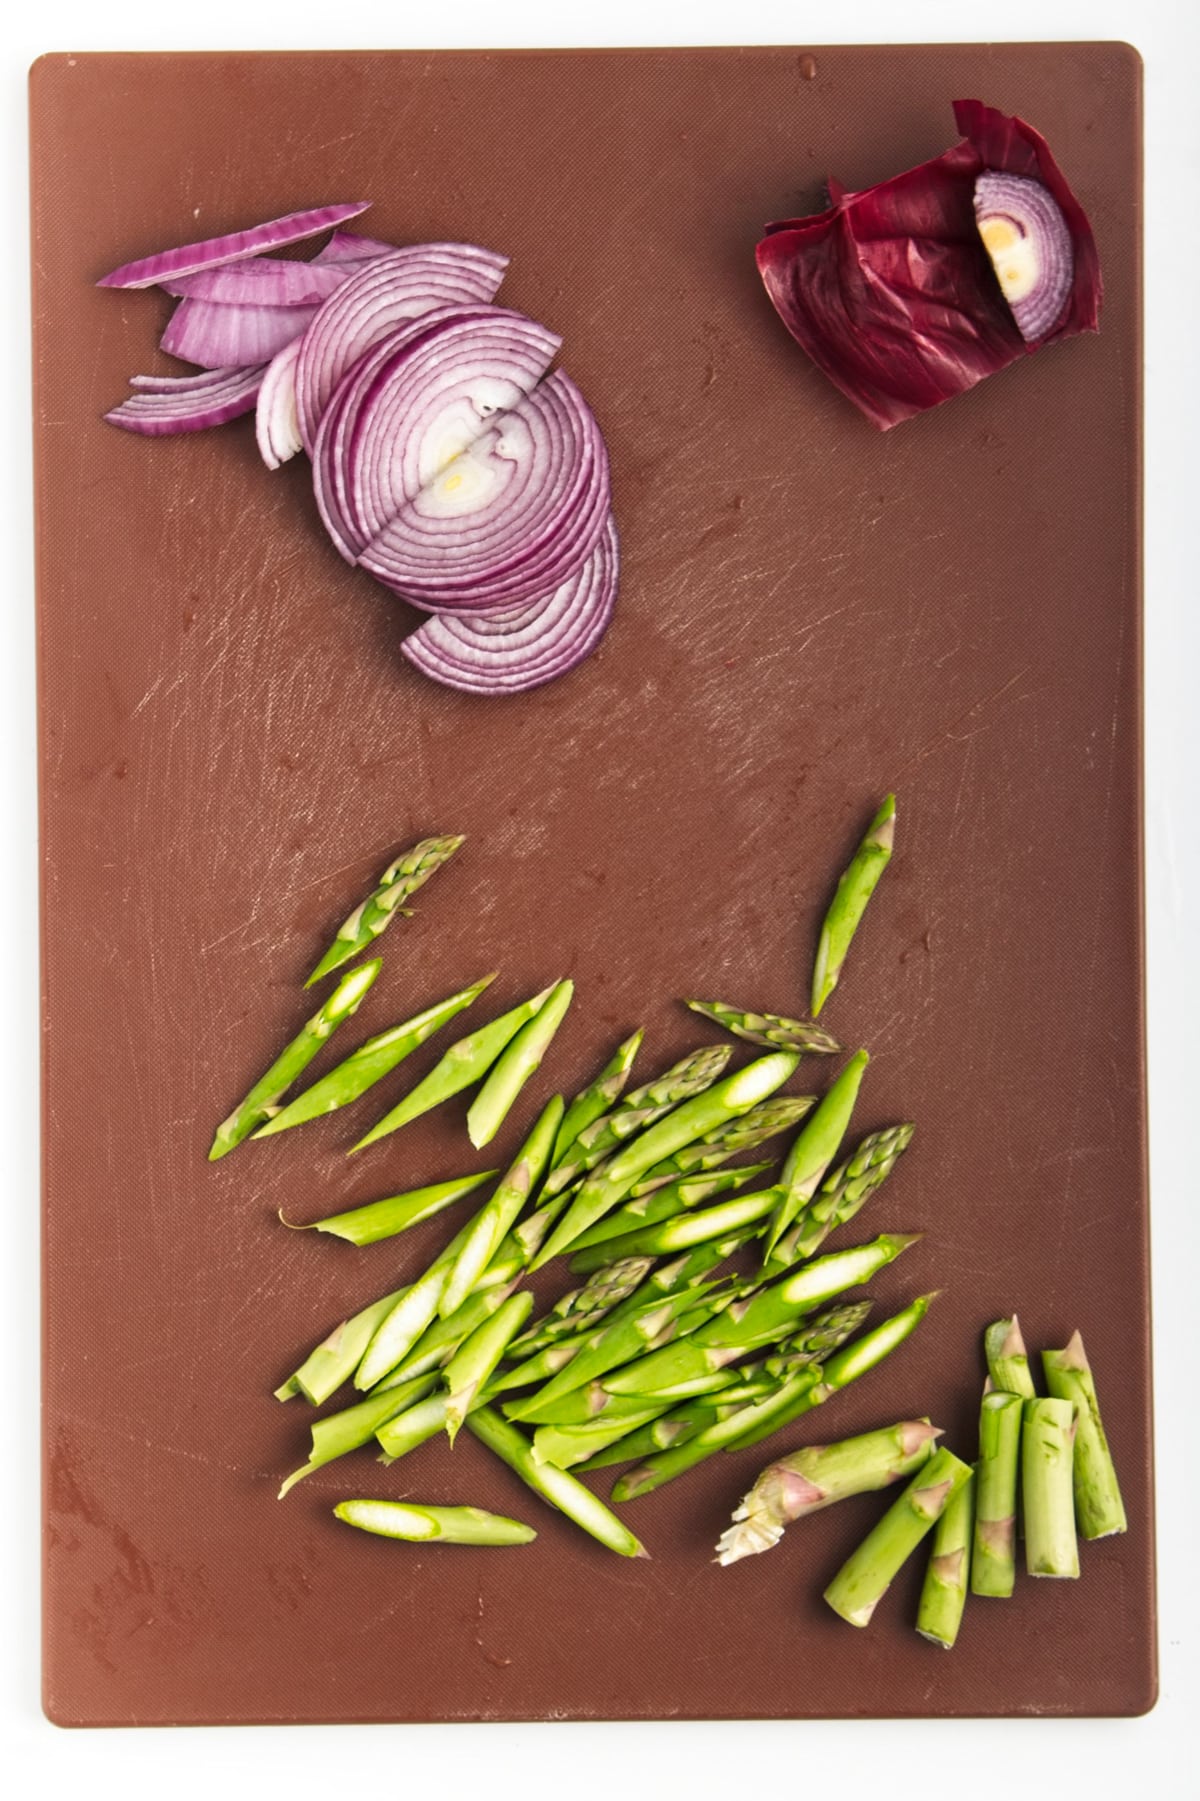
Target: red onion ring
{"type": "Point", "coordinates": [511, 652]}
{"type": "Point", "coordinates": [186, 259]}
{"type": "Point", "coordinates": [1028, 239]}
{"type": "Point", "coordinates": [386, 292]}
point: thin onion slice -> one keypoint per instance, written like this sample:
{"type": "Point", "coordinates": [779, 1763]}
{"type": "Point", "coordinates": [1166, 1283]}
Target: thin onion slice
{"type": "Point", "coordinates": [216, 336]}
{"type": "Point", "coordinates": [186, 259]}
{"type": "Point", "coordinates": [349, 247]}
{"type": "Point", "coordinates": [190, 404]}
{"type": "Point", "coordinates": [1029, 242]}
{"type": "Point", "coordinates": [511, 652]}
{"type": "Point", "coordinates": [510, 518]}
{"type": "Point", "coordinates": [412, 404]}
{"type": "Point", "coordinates": [275, 426]}
{"type": "Point", "coordinates": [383, 293]}
{"type": "Point", "coordinates": [262, 281]}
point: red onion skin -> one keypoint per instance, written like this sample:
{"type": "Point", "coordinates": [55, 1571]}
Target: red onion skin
{"type": "Point", "coordinates": [891, 291]}
{"type": "Point", "coordinates": [186, 259]}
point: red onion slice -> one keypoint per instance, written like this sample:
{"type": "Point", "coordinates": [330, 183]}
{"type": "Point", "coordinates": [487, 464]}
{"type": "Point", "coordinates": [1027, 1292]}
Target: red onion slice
{"type": "Point", "coordinates": [191, 403]}
{"type": "Point", "coordinates": [349, 247]}
{"type": "Point", "coordinates": [412, 404]}
{"type": "Point", "coordinates": [215, 336]}
{"type": "Point", "coordinates": [275, 426]}
{"type": "Point", "coordinates": [385, 292]}
{"type": "Point", "coordinates": [263, 281]}
{"type": "Point", "coordinates": [510, 518]}
{"type": "Point", "coordinates": [1029, 242]}
{"type": "Point", "coordinates": [186, 259]}
{"type": "Point", "coordinates": [511, 652]}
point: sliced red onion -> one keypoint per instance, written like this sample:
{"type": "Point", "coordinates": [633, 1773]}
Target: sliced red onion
{"type": "Point", "coordinates": [187, 258]}
{"type": "Point", "coordinates": [412, 404]}
{"type": "Point", "coordinates": [510, 652]}
{"type": "Point", "coordinates": [275, 425]}
{"type": "Point", "coordinates": [191, 403]}
{"type": "Point", "coordinates": [1029, 242]}
{"type": "Point", "coordinates": [510, 518]}
{"type": "Point", "coordinates": [349, 247]}
{"type": "Point", "coordinates": [262, 281]}
{"type": "Point", "coordinates": [382, 294]}
{"type": "Point", "coordinates": [215, 336]}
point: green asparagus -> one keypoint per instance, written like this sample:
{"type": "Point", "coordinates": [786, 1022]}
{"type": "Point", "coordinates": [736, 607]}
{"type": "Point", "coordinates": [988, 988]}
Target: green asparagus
{"type": "Point", "coordinates": [815, 1147]}
{"type": "Point", "coordinates": [515, 1065]}
{"type": "Point", "coordinates": [337, 1357]}
{"type": "Point", "coordinates": [384, 1219]}
{"type": "Point", "coordinates": [841, 1194]}
{"type": "Point", "coordinates": [637, 1110]}
{"type": "Point", "coordinates": [993, 1561]}
{"type": "Point", "coordinates": [1008, 1364]}
{"type": "Point", "coordinates": [680, 1232]}
{"type": "Point", "coordinates": [474, 1361]}
{"type": "Point", "coordinates": [262, 1102]}
{"type": "Point", "coordinates": [558, 1487]}
{"type": "Point", "coordinates": [398, 881]}
{"type": "Point", "coordinates": [486, 1231]}
{"type": "Point", "coordinates": [1099, 1509]}
{"type": "Point", "coordinates": [662, 1204]}
{"type": "Point", "coordinates": [944, 1591]}
{"type": "Point", "coordinates": [866, 1576]}
{"type": "Point", "coordinates": [765, 1121]}
{"type": "Point", "coordinates": [855, 888]}
{"type": "Point", "coordinates": [449, 1525]}
{"type": "Point", "coordinates": [598, 1097]}
{"type": "Point", "coordinates": [1047, 1459]}
{"type": "Point", "coordinates": [341, 1432]}
{"type": "Point", "coordinates": [770, 1029]}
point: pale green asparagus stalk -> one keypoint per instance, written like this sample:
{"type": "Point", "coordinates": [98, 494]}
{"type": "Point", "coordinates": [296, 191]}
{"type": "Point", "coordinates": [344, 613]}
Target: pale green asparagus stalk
{"type": "Point", "coordinates": [993, 1563]}
{"type": "Point", "coordinates": [815, 1147]}
{"type": "Point", "coordinates": [420, 1524]}
{"type": "Point", "coordinates": [819, 1475]}
{"type": "Point", "coordinates": [592, 1102]}
{"type": "Point", "coordinates": [1008, 1364]}
{"type": "Point", "coordinates": [1099, 1509]}
{"type": "Point", "coordinates": [384, 1219]}
{"type": "Point", "coordinates": [659, 1205]}
{"type": "Point", "coordinates": [637, 1110]}
{"type": "Point", "coordinates": [515, 1065]}
{"type": "Point", "coordinates": [679, 1233]}
{"type": "Point", "coordinates": [398, 881]}
{"type": "Point", "coordinates": [866, 1576]}
{"type": "Point", "coordinates": [340, 1432]}
{"type": "Point", "coordinates": [1047, 1459]}
{"type": "Point", "coordinates": [262, 1102]}
{"type": "Point", "coordinates": [944, 1591]}
{"type": "Point", "coordinates": [337, 1357]}
{"type": "Point", "coordinates": [370, 1063]}
{"type": "Point", "coordinates": [773, 1030]}
{"type": "Point", "coordinates": [855, 888]}
{"type": "Point", "coordinates": [472, 1364]}
{"type": "Point", "coordinates": [487, 1230]}
{"type": "Point", "coordinates": [558, 1487]}
{"type": "Point", "coordinates": [465, 1062]}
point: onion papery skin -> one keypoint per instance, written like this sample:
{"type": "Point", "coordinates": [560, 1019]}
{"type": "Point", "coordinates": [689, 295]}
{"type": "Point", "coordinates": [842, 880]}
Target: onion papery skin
{"type": "Point", "coordinates": [1027, 239]}
{"type": "Point", "coordinates": [275, 426]}
{"type": "Point", "coordinates": [511, 652]}
{"type": "Point", "coordinates": [215, 336]}
{"type": "Point", "coordinates": [381, 294]}
{"type": "Point", "coordinates": [186, 259]}
{"type": "Point", "coordinates": [190, 404]}
{"type": "Point", "coordinates": [410, 404]}
{"type": "Point", "coordinates": [890, 289]}
{"type": "Point", "coordinates": [510, 519]}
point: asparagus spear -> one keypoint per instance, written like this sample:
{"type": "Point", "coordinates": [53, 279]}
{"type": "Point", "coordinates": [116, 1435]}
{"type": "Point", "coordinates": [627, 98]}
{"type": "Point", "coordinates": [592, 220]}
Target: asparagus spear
{"type": "Point", "coordinates": [816, 1146]}
{"type": "Point", "coordinates": [770, 1029]}
{"type": "Point", "coordinates": [335, 1359]}
{"type": "Point", "coordinates": [558, 1487]}
{"type": "Point", "coordinates": [855, 888]}
{"type": "Point", "coordinates": [384, 1219]}
{"type": "Point", "coordinates": [679, 1233]}
{"type": "Point", "coordinates": [1008, 1364]}
{"type": "Point", "coordinates": [398, 881]}
{"type": "Point", "coordinates": [475, 1360]}
{"type": "Point", "coordinates": [605, 1187]}
{"type": "Point", "coordinates": [765, 1121]}
{"type": "Point", "coordinates": [465, 1062]}
{"type": "Point", "coordinates": [944, 1591]}
{"type": "Point", "coordinates": [412, 1309]}
{"type": "Point", "coordinates": [582, 1309]}
{"type": "Point", "coordinates": [818, 1475]}
{"type": "Point", "coordinates": [598, 1097]}
{"type": "Point", "coordinates": [846, 1365]}
{"type": "Point", "coordinates": [637, 1110]}
{"type": "Point", "coordinates": [413, 1427]}
{"type": "Point", "coordinates": [340, 1432]}
{"type": "Point", "coordinates": [993, 1564]}
{"type": "Point", "coordinates": [370, 1062]}
{"type": "Point", "coordinates": [841, 1194]}
{"type": "Point", "coordinates": [1047, 1460]}
{"type": "Point", "coordinates": [516, 1063]}
{"type": "Point", "coordinates": [487, 1229]}
{"type": "Point", "coordinates": [867, 1574]}
{"type": "Point", "coordinates": [683, 1423]}
{"type": "Point", "coordinates": [1099, 1509]}
{"type": "Point", "coordinates": [449, 1525]}
{"type": "Point", "coordinates": [663, 1204]}
{"type": "Point", "coordinates": [263, 1099]}
{"type": "Point", "coordinates": [442, 1338]}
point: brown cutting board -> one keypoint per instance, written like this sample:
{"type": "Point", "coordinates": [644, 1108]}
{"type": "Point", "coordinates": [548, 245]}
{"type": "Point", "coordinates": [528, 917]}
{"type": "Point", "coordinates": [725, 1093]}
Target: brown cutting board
{"type": "Point", "coordinates": [811, 614]}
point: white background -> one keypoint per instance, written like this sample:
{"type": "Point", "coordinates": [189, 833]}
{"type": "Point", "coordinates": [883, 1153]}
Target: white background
{"type": "Point", "coordinates": [1022, 1760]}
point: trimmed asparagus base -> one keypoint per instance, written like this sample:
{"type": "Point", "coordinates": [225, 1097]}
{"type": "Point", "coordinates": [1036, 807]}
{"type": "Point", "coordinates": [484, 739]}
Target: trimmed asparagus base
{"type": "Point", "coordinates": [993, 1565]}
{"type": "Point", "coordinates": [867, 1574]}
{"type": "Point", "coordinates": [1047, 1459]}
{"type": "Point", "coordinates": [944, 1594]}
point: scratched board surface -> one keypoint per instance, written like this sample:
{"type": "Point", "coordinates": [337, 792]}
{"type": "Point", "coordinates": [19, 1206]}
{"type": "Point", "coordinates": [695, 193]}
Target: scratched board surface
{"type": "Point", "coordinates": [811, 614]}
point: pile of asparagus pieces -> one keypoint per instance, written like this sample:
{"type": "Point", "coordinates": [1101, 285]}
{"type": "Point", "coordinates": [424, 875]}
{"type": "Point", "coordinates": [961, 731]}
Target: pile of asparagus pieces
{"type": "Point", "coordinates": [663, 1354]}
{"type": "Point", "coordinates": [1050, 1451]}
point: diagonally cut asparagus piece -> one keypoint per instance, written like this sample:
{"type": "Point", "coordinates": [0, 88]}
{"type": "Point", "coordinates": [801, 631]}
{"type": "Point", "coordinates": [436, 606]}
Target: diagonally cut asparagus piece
{"type": "Point", "coordinates": [663, 1204]}
{"type": "Point", "coordinates": [1099, 1509]}
{"type": "Point", "coordinates": [841, 1194]}
{"type": "Point", "coordinates": [855, 888]}
{"type": "Point", "coordinates": [399, 880]}
{"type": "Point", "coordinates": [558, 1487]}
{"type": "Point", "coordinates": [816, 1146]}
{"type": "Point", "coordinates": [944, 1591]}
{"type": "Point", "coordinates": [1008, 1364]}
{"type": "Point", "coordinates": [384, 1219]}
{"type": "Point", "coordinates": [446, 1525]}
{"type": "Point", "coordinates": [518, 1061]}
{"type": "Point", "coordinates": [474, 1361]}
{"type": "Point", "coordinates": [765, 1121]}
{"type": "Point", "coordinates": [500, 1214]}
{"type": "Point", "coordinates": [598, 1097]}
{"type": "Point", "coordinates": [640, 1108]}
{"type": "Point", "coordinates": [262, 1102]}
{"type": "Point", "coordinates": [679, 1233]}
{"type": "Point", "coordinates": [867, 1574]}
{"type": "Point", "coordinates": [340, 1432]}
